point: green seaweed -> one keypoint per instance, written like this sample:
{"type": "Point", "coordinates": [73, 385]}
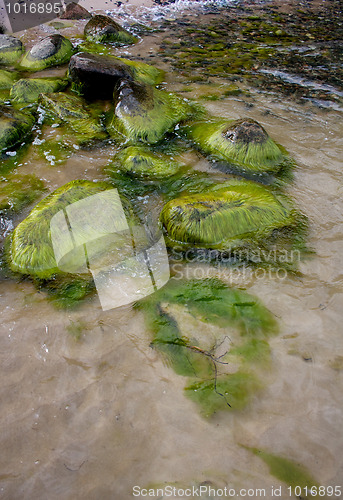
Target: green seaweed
{"type": "Point", "coordinates": [243, 144]}
{"type": "Point", "coordinates": [7, 79]}
{"type": "Point", "coordinates": [145, 114]}
{"type": "Point", "coordinates": [143, 163]}
{"type": "Point", "coordinates": [288, 472]}
{"type": "Point", "coordinates": [74, 112]}
{"type": "Point", "coordinates": [18, 191]}
{"type": "Point", "coordinates": [15, 126]}
{"type": "Point", "coordinates": [31, 251]}
{"type": "Point", "coordinates": [66, 292]}
{"type": "Point", "coordinates": [234, 389]}
{"type": "Point", "coordinates": [28, 90]}
{"type": "Point", "coordinates": [11, 49]}
{"type": "Point", "coordinates": [226, 216]}
{"type": "Point", "coordinates": [211, 301]}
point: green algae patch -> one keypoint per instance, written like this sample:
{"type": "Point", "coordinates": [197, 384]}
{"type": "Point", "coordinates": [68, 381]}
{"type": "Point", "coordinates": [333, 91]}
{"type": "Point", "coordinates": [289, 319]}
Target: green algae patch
{"type": "Point", "coordinates": [243, 144]}
{"type": "Point", "coordinates": [15, 126]}
{"type": "Point", "coordinates": [18, 191]}
{"type": "Point", "coordinates": [7, 79]}
{"type": "Point", "coordinates": [104, 29]}
{"type": "Point", "coordinates": [145, 114]}
{"type": "Point", "coordinates": [225, 217]}
{"type": "Point", "coordinates": [237, 319]}
{"type": "Point", "coordinates": [67, 292]}
{"type": "Point", "coordinates": [53, 50]}
{"type": "Point", "coordinates": [142, 163]}
{"type": "Point", "coordinates": [31, 251]}
{"type": "Point", "coordinates": [144, 73]}
{"type": "Point", "coordinates": [234, 390]}
{"type": "Point", "coordinates": [74, 112]}
{"type": "Point", "coordinates": [27, 90]}
{"type": "Point", "coordinates": [289, 472]}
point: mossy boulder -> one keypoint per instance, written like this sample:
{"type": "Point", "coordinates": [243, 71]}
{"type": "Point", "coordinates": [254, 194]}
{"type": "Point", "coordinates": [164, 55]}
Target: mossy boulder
{"type": "Point", "coordinates": [142, 163]}
{"type": "Point", "coordinates": [104, 29]}
{"type": "Point", "coordinates": [11, 49]}
{"type": "Point", "coordinates": [27, 90]}
{"type": "Point", "coordinates": [15, 125]}
{"type": "Point", "coordinates": [226, 216]}
{"type": "Point", "coordinates": [242, 144]}
{"type": "Point", "coordinates": [143, 113]}
{"type": "Point", "coordinates": [31, 252]}
{"type": "Point", "coordinates": [73, 111]}
{"type": "Point", "coordinates": [7, 79]}
{"type": "Point", "coordinates": [17, 191]}
{"type": "Point", "coordinates": [53, 50]}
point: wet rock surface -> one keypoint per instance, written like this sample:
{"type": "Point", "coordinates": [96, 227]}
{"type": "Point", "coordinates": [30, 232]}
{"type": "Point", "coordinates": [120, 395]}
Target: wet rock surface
{"type": "Point", "coordinates": [97, 75]}
{"type": "Point", "coordinates": [104, 29]}
{"type": "Point", "coordinates": [53, 50]}
{"type": "Point", "coordinates": [75, 11]}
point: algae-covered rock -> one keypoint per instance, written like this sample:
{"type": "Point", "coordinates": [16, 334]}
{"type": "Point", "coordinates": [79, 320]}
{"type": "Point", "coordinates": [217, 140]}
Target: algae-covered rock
{"type": "Point", "coordinates": [72, 111]}
{"type": "Point", "coordinates": [243, 144]}
{"type": "Point", "coordinates": [31, 250]}
{"type": "Point", "coordinates": [96, 76]}
{"type": "Point", "coordinates": [53, 50]}
{"type": "Point", "coordinates": [27, 90]}
{"type": "Point", "coordinates": [225, 216]}
{"type": "Point", "coordinates": [7, 79]}
{"type": "Point", "coordinates": [104, 29]}
{"type": "Point", "coordinates": [141, 162]}
{"type": "Point", "coordinates": [11, 49]}
{"type": "Point", "coordinates": [143, 113]}
{"type": "Point", "coordinates": [17, 191]}
{"type": "Point", "coordinates": [14, 126]}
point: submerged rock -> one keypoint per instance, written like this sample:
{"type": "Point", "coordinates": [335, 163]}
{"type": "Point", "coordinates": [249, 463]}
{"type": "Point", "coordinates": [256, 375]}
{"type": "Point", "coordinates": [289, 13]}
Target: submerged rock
{"type": "Point", "coordinates": [17, 191]}
{"type": "Point", "coordinates": [31, 250]}
{"type": "Point", "coordinates": [225, 216]}
{"type": "Point", "coordinates": [28, 90]}
{"type": "Point", "coordinates": [243, 144]}
{"type": "Point", "coordinates": [104, 29]}
{"type": "Point", "coordinates": [14, 126]}
{"type": "Point", "coordinates": [143, 113]}
{"type": "Point", "coordinates": [53, 50]}
{"type": "Point", "coordinates": [73, 111]}
{"type": "Point", "coordinates": [141, 162]}
{"type": "Point", "coordinates": [11, 49]}
{"type": "Point", "coordinates": [75, 11]}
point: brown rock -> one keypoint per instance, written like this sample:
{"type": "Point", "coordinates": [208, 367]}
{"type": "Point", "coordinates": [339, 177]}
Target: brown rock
{"type": "Point", "coordinates": [75, 11]}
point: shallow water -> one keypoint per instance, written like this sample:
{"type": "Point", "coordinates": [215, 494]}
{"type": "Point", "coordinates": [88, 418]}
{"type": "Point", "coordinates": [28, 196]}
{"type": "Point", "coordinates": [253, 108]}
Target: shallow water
{"type": "Point", "coordinates": [89, 409]}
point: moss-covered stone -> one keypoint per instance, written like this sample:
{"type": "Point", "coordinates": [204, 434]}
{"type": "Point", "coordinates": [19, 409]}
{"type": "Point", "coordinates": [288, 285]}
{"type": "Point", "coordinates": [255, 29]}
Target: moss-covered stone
{"type": "Point", "coordinates": [7, 79]}
{"type": "Point", "coordinates": [17, 191]}
{"type": "Point", "coordinates": [143, 113]}
{"type": "Point", "coordinates": [73, 111]}
{"type": "Point", "coordinates": [243, 144]}
{"type": "Point", "coordinates": [14, 126]}
{"type": "Point", "coordinates": [11, 49]}
{"type": "Point", "coordinates": [225, 216]}
{"type": "Point", "coordinates": [104, 29]}
{"type": "Point", "coordinates": [142, 163]}
{"type": "Point", "coordinates": [53, 50]}
{"type": "Point", "coordinates": [31, 251]}
{"type": "Point", "coordinates": [27, 90]}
